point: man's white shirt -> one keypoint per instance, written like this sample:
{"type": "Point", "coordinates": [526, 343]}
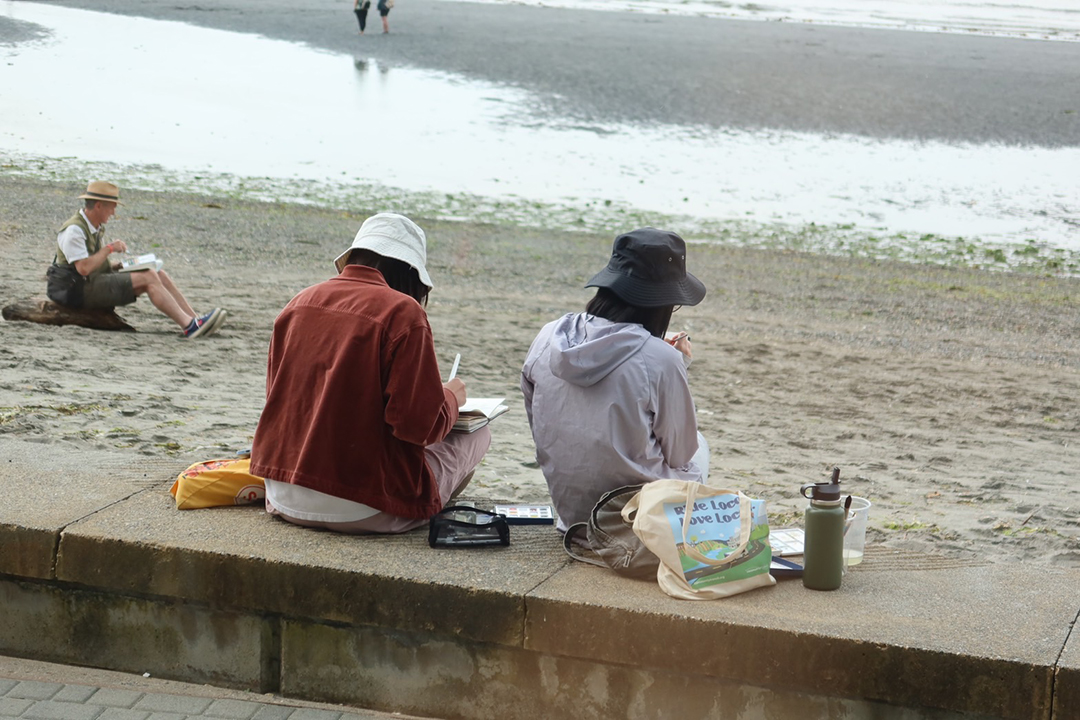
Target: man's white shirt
{"type": "Point", "coordinates": [72, 240]}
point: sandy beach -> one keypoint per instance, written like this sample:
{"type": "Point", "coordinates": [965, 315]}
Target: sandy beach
{"type": "Point", "coordinates": [946, 396]}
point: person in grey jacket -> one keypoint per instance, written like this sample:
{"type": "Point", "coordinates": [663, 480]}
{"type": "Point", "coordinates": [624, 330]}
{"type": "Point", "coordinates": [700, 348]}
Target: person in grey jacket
{"type": "Point", "coordinates": [606, 396]}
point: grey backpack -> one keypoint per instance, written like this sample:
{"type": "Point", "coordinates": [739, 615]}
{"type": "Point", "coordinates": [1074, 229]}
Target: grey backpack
{"type": "Point", "coordinates": [611, 538]}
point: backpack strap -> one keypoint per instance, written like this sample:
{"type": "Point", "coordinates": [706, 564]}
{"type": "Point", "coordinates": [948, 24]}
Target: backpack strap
{"type": "Point", "coordinates": [573, 549]}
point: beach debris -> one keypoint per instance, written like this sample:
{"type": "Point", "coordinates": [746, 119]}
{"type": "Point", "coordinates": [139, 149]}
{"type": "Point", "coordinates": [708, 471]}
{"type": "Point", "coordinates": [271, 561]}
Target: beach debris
{"type": "Point", "coordinates": [45, 311]}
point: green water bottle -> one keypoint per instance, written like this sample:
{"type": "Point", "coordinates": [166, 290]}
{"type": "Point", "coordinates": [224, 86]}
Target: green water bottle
{"type": "Point", "coordinates": [823, 556]}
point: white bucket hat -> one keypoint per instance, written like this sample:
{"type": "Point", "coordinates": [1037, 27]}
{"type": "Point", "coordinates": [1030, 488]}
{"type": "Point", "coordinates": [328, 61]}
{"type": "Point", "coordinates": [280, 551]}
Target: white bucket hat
{"type": "Point", "coordinates": [393, 236]}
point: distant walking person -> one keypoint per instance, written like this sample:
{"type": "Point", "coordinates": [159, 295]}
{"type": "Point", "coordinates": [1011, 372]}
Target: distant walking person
{"type": "Point", "coordinates": [384, 10]}
{"type": "Point", "coordinates": [83, 276]}
{"type": "Point", "coordinates": [360, 7]}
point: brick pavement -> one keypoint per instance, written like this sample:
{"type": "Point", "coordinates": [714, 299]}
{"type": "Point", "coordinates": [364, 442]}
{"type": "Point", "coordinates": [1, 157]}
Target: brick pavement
{"type": "Point", "coordinates": [46, 699]}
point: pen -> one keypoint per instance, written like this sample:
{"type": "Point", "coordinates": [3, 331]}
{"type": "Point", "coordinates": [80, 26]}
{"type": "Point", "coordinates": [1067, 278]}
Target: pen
{"type": "Point", "coordinates": [453, 370]}
{"type": "Point", "coordinates": [679, 337]}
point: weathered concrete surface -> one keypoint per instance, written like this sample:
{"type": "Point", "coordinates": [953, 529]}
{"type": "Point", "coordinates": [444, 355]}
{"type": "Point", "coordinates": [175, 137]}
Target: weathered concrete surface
{"type": "Point", "coordinates": [242, 559]}
{"type": "Point", "coordinates": [1067, 682]}
{"type": "Point", "coordinates": [44, 491]}
{"type": "Point", "coordinates": [234, 597]}
{"type": "Point", "coordinates": [124, 633]}
{"type": "Point", "coordinates": [978, 639]}
{"type": "Point", "coordinates": [430, 675]}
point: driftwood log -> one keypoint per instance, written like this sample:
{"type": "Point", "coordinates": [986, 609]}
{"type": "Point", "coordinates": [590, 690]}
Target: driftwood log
{"type": "Point", "coordinates": [45, 311]}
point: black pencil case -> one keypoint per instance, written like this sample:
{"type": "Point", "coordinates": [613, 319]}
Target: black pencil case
{"type": "Point", "coordinates": [465, 526]}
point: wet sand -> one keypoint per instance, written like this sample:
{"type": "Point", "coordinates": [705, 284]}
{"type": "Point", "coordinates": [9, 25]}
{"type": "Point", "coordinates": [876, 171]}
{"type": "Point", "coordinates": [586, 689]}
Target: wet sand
{"type": "Point", "coordinates": [946, 396]}
{"type": "Point", "coordinates": [597, 67]}
{"type": "Point", "coordinates": [356, 130]}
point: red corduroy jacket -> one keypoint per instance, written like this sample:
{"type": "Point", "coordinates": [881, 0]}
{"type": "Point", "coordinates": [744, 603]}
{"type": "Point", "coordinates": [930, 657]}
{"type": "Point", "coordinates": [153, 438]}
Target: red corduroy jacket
{"type": "Point", "coordinates": [353, 395]}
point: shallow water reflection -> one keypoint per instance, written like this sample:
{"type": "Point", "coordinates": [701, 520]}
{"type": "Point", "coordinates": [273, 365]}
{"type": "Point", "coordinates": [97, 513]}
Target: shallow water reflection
{"type": "Point", "coordinates": [126, 90]}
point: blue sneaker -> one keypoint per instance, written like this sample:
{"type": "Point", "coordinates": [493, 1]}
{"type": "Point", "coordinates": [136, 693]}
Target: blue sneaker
{"type": "Point", "coordinates": [202, 325]}
{"type": "Point", "coordinates": [217, 322]}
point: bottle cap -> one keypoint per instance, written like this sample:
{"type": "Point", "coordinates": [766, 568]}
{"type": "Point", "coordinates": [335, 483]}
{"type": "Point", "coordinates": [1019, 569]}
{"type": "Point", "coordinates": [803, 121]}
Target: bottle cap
{"type": "Point", "coordinates": [826, 492]}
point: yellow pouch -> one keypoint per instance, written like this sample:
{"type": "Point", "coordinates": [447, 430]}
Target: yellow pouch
{"type": "Point", "coordinates": [215, 483]}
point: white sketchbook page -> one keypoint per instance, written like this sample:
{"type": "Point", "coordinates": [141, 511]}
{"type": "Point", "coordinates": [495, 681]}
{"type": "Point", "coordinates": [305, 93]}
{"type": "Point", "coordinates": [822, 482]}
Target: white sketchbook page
{"type": "Point", "coordinates": [488, 407]}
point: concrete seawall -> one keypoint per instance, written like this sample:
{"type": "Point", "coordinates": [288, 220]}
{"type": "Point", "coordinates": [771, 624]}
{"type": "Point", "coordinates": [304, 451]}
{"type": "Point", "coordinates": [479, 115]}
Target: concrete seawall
{"type": "Point", "coordinates": [98, 568]}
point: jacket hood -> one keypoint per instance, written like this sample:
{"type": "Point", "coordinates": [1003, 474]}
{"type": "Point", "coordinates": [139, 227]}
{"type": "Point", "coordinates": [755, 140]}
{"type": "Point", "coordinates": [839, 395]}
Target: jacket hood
{"type": "Point", "coordinates": [585, 348]}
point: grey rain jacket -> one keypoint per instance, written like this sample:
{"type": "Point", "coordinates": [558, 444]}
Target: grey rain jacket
{"type": "Point", "coordinates": [609, 405]}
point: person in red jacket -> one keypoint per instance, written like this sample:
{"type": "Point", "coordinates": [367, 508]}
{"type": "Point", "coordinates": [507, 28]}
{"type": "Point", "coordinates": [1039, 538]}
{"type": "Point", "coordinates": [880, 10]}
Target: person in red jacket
{"type": "Point", "coordinates": [355, 434]}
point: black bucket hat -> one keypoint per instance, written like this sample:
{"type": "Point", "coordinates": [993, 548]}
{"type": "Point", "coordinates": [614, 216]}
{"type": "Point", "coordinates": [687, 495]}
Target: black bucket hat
{"type": "Point", "coordinates": [648, 269]}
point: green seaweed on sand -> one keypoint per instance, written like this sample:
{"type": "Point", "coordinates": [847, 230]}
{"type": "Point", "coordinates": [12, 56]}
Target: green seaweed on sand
{"type": "Point", "coordinates": [598, 216]}
{"type": "Point", "coordinates": [906, 525]}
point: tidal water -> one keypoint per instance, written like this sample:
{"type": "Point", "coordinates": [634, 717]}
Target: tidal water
{"type": "Point", "coordinates": [1036, 19]}
{"type": "Point", "coordinates": [222, 113]}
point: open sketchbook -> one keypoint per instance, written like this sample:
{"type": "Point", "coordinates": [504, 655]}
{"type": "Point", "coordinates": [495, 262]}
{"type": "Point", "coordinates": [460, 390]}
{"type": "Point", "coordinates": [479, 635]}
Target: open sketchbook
{"type": "Point", "coordinates": [142, 262]}
{"type": "Point", "coordinates": [478, 412]}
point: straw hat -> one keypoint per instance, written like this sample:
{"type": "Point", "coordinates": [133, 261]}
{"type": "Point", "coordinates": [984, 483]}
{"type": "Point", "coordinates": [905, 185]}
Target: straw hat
{"type": "Point", "coordinates": [393, 236]}
{"type": "Point", "coordinates": [648, 269]}
{"type": "Point", "coordinates": [101, 190]}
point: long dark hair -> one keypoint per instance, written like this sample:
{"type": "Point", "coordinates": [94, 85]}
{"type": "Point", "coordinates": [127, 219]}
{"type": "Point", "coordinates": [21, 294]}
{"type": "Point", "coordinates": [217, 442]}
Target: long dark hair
{"type": "Point", "coordinates": [608, 305]}
{"type": "Point", "coordinates": [399, 275]}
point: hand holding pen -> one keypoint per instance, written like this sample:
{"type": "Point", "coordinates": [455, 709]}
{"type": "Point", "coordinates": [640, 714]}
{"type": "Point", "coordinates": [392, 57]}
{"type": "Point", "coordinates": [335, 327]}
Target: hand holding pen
{"type": "Point", "coordinates": [681, 342]}
{"type": "Point", "coordinates": [454, 385]}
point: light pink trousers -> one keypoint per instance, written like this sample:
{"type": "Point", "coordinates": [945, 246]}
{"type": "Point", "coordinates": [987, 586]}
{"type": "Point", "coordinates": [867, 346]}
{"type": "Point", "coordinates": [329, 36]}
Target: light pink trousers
{"type": "Point", "coordinates": [452, 462]}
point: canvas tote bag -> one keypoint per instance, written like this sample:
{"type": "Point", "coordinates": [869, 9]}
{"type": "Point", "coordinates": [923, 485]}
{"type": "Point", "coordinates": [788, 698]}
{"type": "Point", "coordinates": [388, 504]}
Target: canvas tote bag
{"type": "Point", "coordinates": [712, 542]}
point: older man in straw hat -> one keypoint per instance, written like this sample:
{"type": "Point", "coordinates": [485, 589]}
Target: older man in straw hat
{"type": "Point", "coordinates": [355, 435]}
{"type": "Point", "coordinates": [82, 275]}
